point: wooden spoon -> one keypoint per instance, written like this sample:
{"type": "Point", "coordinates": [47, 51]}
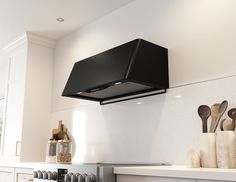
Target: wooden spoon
{"type": "Point", "coordinates": [226, 125]}
{"type": "Point", "coordinates": [232, 115]}
{"type": "Point", "coordinates": [204, 112]}
{"type": "Point", "coordinates": [222, 124]}
{"type": "Point", "coordinates": [222, 109]}
{"type": "Point", "coordinates": [214, 114]}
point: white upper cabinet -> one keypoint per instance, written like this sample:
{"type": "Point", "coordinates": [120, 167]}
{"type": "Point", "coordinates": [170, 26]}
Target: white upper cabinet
{"type": "Point", "coordinates": [15, 100]}
{"type": "Point", "coordinates": [28, 98]}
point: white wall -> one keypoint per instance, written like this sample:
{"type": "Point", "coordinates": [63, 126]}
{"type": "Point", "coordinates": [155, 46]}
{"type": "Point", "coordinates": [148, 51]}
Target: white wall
{"type": "Point", "coordinates": [200, 36]}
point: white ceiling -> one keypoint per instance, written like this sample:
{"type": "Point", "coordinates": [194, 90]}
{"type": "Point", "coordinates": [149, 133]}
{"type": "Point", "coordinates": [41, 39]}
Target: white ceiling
{"type": "Point", "coordinates": [39, 16]}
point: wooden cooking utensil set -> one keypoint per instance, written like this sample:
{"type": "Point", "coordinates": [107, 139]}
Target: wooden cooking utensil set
{"type": "Point", "coordinates": [216, 112]}
{"type": "Point", "coordinates": [60, 133]}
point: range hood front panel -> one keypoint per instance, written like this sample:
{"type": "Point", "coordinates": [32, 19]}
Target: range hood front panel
{"type": "Point", "coordinates": [109, 66]}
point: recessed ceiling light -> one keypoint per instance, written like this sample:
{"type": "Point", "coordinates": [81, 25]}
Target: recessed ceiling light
{"type": "Point", "coordinates": [60, 19]}
{"type": "Point", "coordinates": [139, 103]}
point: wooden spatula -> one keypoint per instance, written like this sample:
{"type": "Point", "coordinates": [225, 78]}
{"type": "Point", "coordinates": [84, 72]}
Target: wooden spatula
{"type": "Point", "coordinates": [222, 108]}
{"type": "Point", "coordinates": [214, 114]}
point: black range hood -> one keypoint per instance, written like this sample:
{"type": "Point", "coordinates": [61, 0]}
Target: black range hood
{"type": "Point", "coordinates": [132, 70]}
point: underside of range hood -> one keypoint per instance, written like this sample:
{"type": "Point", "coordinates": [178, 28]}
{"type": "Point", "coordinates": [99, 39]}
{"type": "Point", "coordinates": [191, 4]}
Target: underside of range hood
{"type": "Point", "coordinates": [132, 70]}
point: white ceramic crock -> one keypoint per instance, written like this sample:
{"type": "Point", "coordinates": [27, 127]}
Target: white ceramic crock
{"type": "Point", "coordinates": [226, 149]}
{"type": "Point", "coordinates": [207, 143]}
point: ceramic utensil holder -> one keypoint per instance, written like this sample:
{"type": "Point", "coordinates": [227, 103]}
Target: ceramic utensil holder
{"type": "Point", "coordinates": [208, 150]}
{"type": "Point", "coordinates": [226, 149]}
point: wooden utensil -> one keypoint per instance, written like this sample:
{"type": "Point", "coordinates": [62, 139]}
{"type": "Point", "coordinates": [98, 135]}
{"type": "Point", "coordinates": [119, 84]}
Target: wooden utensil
{"type": "Point", "coordinates": [222, 109]}
{"type": "Point", "coordinates": [214, 114]}
{"type": "Point", "coordinates": [226, 125]}
{"type": "Point", "coordinates": [232, 115]}
{"type": "Point", "coordinates": [59, 130]}
{"type": "Point", "coordinates": [61, 133]}
{"type": "Point", "coordinates": [222, 124]}
{"type": "Point", "coordinates": [204, 112]}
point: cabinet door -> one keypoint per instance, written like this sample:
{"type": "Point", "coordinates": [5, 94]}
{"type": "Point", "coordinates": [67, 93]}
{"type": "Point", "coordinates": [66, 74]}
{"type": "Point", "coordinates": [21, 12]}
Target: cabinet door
{"type": "Point", "coordinates": [23, 175]}
{"type": "Point", "coordinates": [15, 102]}
{"type": "Point", "coordinates": [129, 178]}
{"type": "Point", "coordinates": [7, 174]}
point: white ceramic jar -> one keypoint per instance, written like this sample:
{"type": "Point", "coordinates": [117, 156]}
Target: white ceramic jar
{"type": "Point", "coordinates": [207, 144]}
{"type": "Point", "coordinates": [226, 149]}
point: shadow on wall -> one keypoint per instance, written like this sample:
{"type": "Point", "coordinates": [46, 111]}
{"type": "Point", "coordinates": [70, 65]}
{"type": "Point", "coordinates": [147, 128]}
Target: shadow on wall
{"type": "Point", "coordinates": [132, 127]}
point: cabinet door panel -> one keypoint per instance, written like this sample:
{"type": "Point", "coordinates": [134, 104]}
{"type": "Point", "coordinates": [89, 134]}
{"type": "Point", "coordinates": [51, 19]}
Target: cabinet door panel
{"type": "Point", "coordinates": [14, 115]}
{"type": "Point", "coordinates": [17, 65]}
{"type": "Point", "coordinates": [15, 104]}
{"type": "Point", "coordinates": [23, 175]}
{"type": "Point", "coordinates": [129, 178]}
{"type": "Point", "coordinates": [6, 177]}
{"type": "Point", "coordinates": [6, 174]}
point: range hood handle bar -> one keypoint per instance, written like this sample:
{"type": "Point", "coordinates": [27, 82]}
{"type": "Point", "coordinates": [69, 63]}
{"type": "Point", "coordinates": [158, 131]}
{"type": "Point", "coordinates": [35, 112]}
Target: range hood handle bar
{"type": "Point", "coordinates": [125, 98]}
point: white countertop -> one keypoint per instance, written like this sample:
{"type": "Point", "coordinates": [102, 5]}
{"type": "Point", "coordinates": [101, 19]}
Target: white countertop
{"type": "Point", "coordinates": [17, 164]}
{"type": "Point", "coordinates": [173, 171]}
{"type": "Point", "coordinates": [179, 172]}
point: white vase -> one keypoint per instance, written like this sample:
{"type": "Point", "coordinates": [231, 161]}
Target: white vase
{"type": "Point", "coordinates": [207, 143]}
{"type": "Point", "coordinates": [226, 149]}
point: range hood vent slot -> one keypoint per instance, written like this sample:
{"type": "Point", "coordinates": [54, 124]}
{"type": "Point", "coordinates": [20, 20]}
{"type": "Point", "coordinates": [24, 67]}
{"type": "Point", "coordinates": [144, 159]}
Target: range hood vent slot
{"type": "Point", "coordinates": [132, 70]}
